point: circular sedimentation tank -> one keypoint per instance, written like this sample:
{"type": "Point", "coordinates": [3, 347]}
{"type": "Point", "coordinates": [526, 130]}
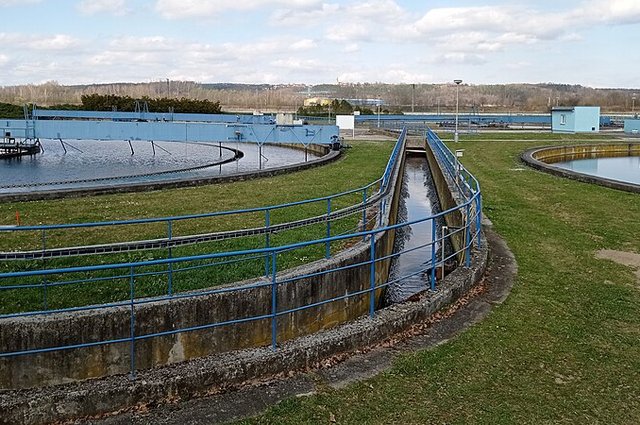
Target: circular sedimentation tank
{"type": "Point", "coordinates": [613, 165]}
{"type": "Point", "coordinates": [92, 166]}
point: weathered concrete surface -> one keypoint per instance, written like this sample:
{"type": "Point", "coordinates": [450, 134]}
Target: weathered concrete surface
{"type": "Point", "coordinates": [251, 400]}
{"type": "Point", "coordinates": [448, 200]}
{"type": "Point", "coordinates": [212, 374]}
{"type": "Point", "coordinates": [329, 156]}
{"type": "Point", "coordinates": [542, 158]}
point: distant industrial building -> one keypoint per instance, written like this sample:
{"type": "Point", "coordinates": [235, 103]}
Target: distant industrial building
{"type": "Point", "coordinates": [366, 102]}
{"type": "Point", "coordinates": [632, 126]}
{"type": "Point", "coordinates": [575, 119]}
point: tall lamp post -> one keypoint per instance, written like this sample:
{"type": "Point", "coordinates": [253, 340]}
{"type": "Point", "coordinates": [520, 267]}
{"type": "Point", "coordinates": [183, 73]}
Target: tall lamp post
{"type": "Point", "coordinates": [633, 104]}
{"type": "Point", "coordinates": [458, 82]}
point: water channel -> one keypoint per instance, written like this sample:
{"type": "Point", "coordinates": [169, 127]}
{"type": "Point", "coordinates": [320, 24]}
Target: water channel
{"type": "Point", "coordinates": [414, 264]}
{"type": "Point", "coordinates": [91, 163]}
{"type": "Point", "coordinates": [624, 169]}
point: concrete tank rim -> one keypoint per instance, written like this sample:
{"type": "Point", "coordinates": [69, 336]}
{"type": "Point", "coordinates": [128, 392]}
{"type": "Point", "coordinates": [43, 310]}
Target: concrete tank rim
{"type": "Point", "coordinates": [528, 157]}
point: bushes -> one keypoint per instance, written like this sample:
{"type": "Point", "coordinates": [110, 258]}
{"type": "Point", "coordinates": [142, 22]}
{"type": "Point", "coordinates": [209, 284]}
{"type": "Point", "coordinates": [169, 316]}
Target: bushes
{"type": "Point", "coordinates": [98, 102]}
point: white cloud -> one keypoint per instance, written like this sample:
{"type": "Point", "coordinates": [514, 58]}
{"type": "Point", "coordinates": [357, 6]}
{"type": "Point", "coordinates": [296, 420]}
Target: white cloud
{"type": "Point", "coordinates": [310, 16]}
{"type": "Point", "coordinates": [458, 58]}
{"type": "Point", "coordinates": [297, 64]}
{"type": "Point", "coordinates": [304, 44]}
{"type": "Point", "coordinates": [491, 19]}
{"type": "Point", "coordinates": [180, 9]}
{"type": "Point", "coordinates": [359, 31]}
{"type": "Point", "coordinates": [54, 42]}
{"type": "Point", "coordinates": [351, 48]}
{"type": "Point", "coordinates": [95, 7]}
{"type": "Point", "coordinates": [352, 77]}
{"type": "Point", "coordinates": [404, 76]}
{"type": "Point", "coordinates": [389, 75]}
{"type": "Point", "coordinates": [41, 42]}
{"type": "Point", "coordinates": [610, 12]}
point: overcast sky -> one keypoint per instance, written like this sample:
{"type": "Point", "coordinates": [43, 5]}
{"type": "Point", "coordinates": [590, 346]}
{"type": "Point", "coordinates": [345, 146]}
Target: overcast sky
{"type": "Point", "coordinates": [589, 42]}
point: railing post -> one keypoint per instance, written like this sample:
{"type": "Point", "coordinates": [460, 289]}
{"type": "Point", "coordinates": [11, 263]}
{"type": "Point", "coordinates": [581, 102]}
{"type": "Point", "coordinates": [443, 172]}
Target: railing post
{"type": "Point", "coordinates": [479, 220]}
{"type": "Point", "coordinates": [372, 275]}
{"type": "Point", "coordinates": [327, 253]}
{"type": "Point", "coordinates": [267, 239]}
{"type": "Point", "coordinates": [132, 324]}
{"type": "Point", "coordinates": [170, 254]}
{"type": "Point", "coordinates": [274, 303]}
{"type": "Point", "coordinates": [434, 238]}
{"type": "Point", "coordinates": [442, 251]}
{"type": "Point", "coordinates": [45, 295]}
{"type": "Point", "coordinates": [364, 211]}
{"type": "Point", "coordinates": [467, 236]}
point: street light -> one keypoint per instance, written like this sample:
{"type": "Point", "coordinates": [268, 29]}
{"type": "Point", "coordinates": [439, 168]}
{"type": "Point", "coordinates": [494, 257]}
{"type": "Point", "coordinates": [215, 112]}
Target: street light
{"type": "Point", "coordinates": [379, 100]}
{"type": "Point", "coordinates": [633, 103]}
{"type": "Point", "coordinates": [455, 135]}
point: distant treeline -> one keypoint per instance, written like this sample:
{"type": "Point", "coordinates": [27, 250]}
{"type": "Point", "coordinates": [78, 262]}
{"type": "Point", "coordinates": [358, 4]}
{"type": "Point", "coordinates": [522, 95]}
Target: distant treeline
{"type": "Point", "coordinates": [98, 102]}
{"type": "Point", "coordinates": [109, 102]}
{"type": "Point", "coordinates": [289, 97]}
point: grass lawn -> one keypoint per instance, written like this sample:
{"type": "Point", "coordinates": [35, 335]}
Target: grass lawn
{"type": "Point", "coordinates": [563, 348]}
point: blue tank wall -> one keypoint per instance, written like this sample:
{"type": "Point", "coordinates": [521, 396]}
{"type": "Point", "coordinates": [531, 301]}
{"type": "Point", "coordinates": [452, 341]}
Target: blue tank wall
{"type": "Point", "coordinates": [169, 131]}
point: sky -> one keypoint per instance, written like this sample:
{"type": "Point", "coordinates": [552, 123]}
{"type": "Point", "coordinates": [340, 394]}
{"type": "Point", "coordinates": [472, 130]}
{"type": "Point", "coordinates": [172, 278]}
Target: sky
{"type": "Point", "coordinates": [589, 42]}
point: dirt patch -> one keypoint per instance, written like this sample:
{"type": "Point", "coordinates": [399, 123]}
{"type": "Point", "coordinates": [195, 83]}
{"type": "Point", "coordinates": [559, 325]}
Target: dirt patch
{"type": "Point", "coordinates": [629, 259]}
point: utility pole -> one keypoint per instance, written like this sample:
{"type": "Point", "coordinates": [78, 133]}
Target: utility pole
{"type": "Point", "coordinates": [413, 97]}
{"type": "Point", "coordinates": [458, 82]}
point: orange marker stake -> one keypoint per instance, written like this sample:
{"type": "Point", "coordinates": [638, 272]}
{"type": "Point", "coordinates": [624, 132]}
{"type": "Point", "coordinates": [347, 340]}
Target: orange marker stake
{"type": "Point", "coordinates": [18, 217]}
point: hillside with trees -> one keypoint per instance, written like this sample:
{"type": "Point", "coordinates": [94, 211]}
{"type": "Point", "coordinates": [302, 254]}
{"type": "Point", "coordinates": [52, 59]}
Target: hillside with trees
{"type": "Point", "coordinates": [290, 97]}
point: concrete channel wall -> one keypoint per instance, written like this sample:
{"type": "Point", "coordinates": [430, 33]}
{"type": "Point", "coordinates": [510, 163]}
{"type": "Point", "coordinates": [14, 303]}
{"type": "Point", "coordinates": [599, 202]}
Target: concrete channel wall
{"type": "Point", "coordinates": [543, 159]}
{"type": "Point", "coordinates": [68, 329]}
{"type": "Point", "coordinates": [448, 200]}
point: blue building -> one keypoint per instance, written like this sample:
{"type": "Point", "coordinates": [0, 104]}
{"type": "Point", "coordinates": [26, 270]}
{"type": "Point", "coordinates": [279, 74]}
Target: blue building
{"type": "Point", "coordinates": [632, 126]}
{"type": "Point", "coordinates": [575, 119]}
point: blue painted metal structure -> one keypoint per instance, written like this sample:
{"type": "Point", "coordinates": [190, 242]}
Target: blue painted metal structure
{"type": "Point", "coordinates": [575, 119]}
{"type": "Point", "coordinates": [478, 119]}
{"type": "Point", "coordinates": [475, 119]}
{"type": "Point", "coordinates": [170, 131]}
{"type": "Point", "coordinates": [471, 204]}
{"type": "Point", "coordinates": [632, 126]}
{"type": "Point", "coordinates": [44, 114]}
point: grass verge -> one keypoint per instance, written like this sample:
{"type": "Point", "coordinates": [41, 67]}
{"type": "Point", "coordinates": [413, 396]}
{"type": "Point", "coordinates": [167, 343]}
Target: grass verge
{"type": "Point", "coordinates": [563, 348]}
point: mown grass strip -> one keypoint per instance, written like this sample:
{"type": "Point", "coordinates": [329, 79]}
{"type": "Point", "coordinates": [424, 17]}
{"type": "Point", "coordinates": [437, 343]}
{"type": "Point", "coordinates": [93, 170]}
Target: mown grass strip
{"type": "Point", "coordinates": [563, 348]}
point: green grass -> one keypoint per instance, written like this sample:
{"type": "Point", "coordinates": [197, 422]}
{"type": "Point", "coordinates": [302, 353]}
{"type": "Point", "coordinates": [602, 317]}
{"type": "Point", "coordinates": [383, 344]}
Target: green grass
{"type": "Point", "coordinates": [564, 347]}
{"type": "Point", "coordinates": [524, 136]}
{"type": "Point", "coordinates": [362, 164]}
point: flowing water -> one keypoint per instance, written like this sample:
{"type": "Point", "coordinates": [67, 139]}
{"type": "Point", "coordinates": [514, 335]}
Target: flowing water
{"type": "Point", "coordinates": [414, 266]}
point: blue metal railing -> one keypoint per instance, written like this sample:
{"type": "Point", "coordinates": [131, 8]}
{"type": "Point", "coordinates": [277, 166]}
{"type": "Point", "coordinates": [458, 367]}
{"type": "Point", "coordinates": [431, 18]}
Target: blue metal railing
{"type": "Point", "coordinates": [132, 272]}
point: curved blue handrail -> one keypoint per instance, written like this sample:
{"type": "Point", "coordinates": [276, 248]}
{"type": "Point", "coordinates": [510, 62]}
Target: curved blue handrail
{"type": "Point", "coordinates": [470, 203]}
